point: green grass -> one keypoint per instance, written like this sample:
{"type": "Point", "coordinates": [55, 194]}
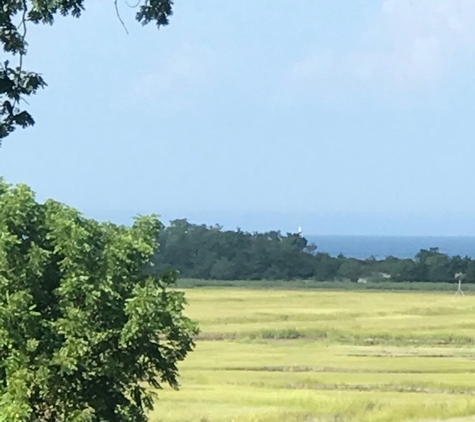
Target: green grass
{"type": "Point", "coordinates": [295, 356]}
{"type": "Point", "coordinates": [323, 285]}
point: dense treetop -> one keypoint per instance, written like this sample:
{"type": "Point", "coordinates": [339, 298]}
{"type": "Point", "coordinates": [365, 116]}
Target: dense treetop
{"type": "Point", "coordinates": [83, 328]}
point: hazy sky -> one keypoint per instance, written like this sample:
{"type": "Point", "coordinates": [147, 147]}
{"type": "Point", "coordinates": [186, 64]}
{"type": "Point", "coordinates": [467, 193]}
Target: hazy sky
{"type": "Point", "coordinates": [351, 117]}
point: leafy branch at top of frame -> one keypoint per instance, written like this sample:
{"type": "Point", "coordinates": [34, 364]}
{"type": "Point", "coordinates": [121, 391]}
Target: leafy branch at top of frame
{"type": "Point", "coordinates": [15, 15]}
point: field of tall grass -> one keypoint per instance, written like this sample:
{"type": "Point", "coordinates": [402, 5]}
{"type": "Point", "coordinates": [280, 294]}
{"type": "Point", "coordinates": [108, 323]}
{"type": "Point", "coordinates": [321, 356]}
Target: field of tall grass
{"type": "Point", "coordinates": [301, 356]}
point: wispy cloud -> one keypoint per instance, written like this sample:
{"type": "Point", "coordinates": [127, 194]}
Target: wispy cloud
{"type": "Point", "coordinates": [412, 45]}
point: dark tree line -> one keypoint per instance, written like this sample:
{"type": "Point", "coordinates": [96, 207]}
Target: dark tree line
{"type": "Point", "coordinates": [199, 251]}
{"type": "Point", "coordinates": [209, 252]}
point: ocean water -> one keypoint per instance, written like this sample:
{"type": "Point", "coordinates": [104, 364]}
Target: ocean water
{"type": "Point", "coordinates": [363, 247]}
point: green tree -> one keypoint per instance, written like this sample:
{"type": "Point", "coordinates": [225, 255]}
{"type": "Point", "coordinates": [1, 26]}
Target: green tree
{"type": "Point", "coordinates": [83, 328]}
{"type": "Point", "coordinates": [223, 269]}
{"type": "Point", "coordinates": [469, 270]}
{"type": "Point", "coordinates": [200, 251]}
{"type": "Point", "coordinates": [434, 266]}
{"type": "Point", "coordinates": [326, 267]}
{"type": "Point", "coordinates": [16, 83]}
{"type": "Point", "coordinates": [350, 269]}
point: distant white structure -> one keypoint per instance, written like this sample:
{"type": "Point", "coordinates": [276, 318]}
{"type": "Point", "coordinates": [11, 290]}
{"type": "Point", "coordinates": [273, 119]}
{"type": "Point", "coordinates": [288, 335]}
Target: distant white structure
{"type": "Point", "coordinates": [300, 231]}
{"type": "Point", "coordinates": [460, 277]}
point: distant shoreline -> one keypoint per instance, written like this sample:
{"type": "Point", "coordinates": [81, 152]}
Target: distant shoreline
{"type": "Point", "coordinates": [381, 246]}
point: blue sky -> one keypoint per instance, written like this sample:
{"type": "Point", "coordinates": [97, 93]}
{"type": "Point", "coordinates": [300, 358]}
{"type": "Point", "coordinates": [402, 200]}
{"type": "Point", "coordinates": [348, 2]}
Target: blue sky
{"type": "Point", "coordinates": [342, 117]}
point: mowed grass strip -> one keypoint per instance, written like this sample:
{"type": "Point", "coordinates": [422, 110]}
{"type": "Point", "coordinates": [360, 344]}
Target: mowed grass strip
{"type": "Point", "coordinates": [292, 356]}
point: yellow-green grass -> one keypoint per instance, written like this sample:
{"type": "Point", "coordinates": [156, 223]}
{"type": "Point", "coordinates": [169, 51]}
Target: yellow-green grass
{"type": "Point", "coordinates": [266, 355]}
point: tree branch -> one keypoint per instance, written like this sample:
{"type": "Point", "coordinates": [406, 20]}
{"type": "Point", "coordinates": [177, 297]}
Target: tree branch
{"type": "Point", "coordinates": [119, 17]}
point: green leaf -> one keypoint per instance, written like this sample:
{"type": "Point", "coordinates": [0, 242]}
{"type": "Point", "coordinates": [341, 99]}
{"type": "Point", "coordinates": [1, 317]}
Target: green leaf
{"type": "Point", "coordinates": [82, 326]}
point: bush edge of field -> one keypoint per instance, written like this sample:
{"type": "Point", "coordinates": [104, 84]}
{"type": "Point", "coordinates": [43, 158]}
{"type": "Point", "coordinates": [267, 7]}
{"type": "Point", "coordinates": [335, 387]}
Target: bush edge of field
{"type": "Point", "coordinates": [187, 283]}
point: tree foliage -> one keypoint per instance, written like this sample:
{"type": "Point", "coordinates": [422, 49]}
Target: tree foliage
{"type": "Point", "coordinates": [82, 325]}
{"type": "Point", "coordinates": [16, 83]}
{"type": "Point", "coordinates": [199, 251]}
{"type": "Point", "coordinates": [208, 252]}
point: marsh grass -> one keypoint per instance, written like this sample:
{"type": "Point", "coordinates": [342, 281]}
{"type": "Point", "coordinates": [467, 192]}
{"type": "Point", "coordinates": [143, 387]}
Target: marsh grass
{"type": "Point", "coordinates": [301, 356]}
{"type": "Point", "coordinates": [324, 285]}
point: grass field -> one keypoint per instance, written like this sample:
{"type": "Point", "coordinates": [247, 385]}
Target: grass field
{"type": "Point", "coordinates": [326, 285]}
{"type": "Point", "coordinates": [295, 356]}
